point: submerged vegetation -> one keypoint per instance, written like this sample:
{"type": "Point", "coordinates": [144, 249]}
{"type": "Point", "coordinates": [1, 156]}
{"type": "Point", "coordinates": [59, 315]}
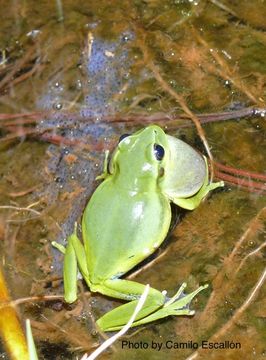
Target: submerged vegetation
{"type": "Point", "coordinates": [76, 77]}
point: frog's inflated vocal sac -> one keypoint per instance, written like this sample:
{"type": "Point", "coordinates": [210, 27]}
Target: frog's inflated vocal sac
{"type": "Point", "coordinates": [128, 217]}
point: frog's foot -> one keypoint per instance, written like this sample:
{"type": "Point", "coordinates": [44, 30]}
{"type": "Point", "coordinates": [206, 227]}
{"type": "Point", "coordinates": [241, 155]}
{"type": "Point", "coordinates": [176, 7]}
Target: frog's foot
{"type": "Point", "coordinates": [177, 305]}
{"type": "Point", "coordinates": [155, 307]}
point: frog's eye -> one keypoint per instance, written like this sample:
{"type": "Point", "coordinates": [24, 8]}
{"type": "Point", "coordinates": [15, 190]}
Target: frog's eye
{"type": "Point", "coordinates": [122, 137]}
{"type": "Point", "coordinates": [158, 152]}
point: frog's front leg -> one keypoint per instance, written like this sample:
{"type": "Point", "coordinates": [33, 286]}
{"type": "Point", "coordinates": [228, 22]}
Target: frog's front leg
{"type": "Point", "coordinates": [105, 167]}
{"type": "Point", "coordinates": [156, 306]}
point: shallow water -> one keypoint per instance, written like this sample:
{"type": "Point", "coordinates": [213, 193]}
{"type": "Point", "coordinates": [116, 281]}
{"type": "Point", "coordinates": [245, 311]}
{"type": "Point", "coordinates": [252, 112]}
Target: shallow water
{"type": "Point", "coordinates": [86, 68]}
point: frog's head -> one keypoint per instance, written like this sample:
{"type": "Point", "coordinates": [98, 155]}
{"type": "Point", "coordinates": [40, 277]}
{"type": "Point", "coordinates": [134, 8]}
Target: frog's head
{"type": "Point", "coordinates": [150, 158]}
{"type": "Point", "coordinates": [139, 158]}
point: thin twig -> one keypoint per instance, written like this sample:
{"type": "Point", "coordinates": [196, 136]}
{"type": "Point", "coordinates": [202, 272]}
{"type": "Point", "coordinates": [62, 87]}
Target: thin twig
{"type": "Point", "coordinates": [179, 98]}
{"type": "Point", "coordinates": [254, 252]}
{"type": "Point", "coordinates": [237, 314]}
{"type": "Point", "coordinates": [223, 7]}
{"type": "Point", "coordinates": [240, 181]}
{"type": "Point", "coordinates": [112, 339]}
{"type": "Point", "coordinates": [228, 265]}
{"type": "Point", "coordinates": [225, 71]}
{"type": "Point", "coordinates": [20, 209]}
{"type": "Point", "coordinates": [182, 103]}
{"type": "Point", "coordinates": [20, 63]}
{"type": "Point", "coordinates": [230, 169]}
{"type": "Point", "coordinates": [245, 235]}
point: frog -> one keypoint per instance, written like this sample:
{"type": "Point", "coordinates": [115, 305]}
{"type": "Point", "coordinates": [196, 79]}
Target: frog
{"type": "Point", "coordinates": [128, 217]}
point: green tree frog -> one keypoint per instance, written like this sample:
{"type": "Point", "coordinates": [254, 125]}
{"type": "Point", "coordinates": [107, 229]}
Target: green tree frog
{"type": "Point", "coordinates": [128, 217]}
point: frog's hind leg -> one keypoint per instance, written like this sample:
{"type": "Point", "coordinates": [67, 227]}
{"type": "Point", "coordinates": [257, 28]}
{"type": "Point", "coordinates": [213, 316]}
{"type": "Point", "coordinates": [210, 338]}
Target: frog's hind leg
{"type": "Point", "coordinates": [131, 291]}
{"type": "Point", "coordinates": [155, 307]}
{"type": "Point", "coordinates": [74, 255]}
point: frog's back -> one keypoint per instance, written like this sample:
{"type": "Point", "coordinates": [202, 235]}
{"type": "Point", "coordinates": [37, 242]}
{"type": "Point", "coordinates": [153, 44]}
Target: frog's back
{"type": "Point", "coordinates": [122, 228]}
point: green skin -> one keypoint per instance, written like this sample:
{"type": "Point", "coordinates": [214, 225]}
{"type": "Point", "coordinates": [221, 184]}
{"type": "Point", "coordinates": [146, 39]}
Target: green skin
{"type": "Point", "coordinates": [128, 217]}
